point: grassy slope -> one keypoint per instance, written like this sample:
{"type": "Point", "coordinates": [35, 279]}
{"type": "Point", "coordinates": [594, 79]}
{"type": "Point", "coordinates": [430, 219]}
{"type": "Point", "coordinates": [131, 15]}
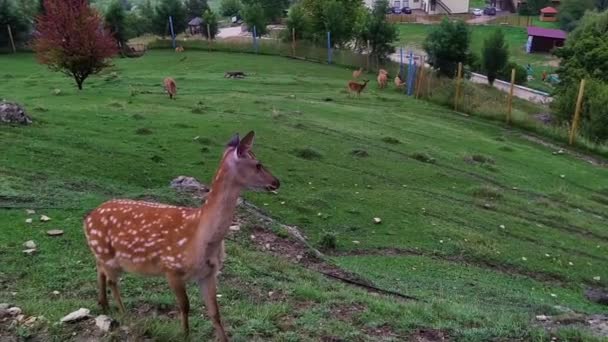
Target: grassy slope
{"type": "Point", "coordinates": [85, 149]}
{"type": "Point", "coordinates": [413, 35]}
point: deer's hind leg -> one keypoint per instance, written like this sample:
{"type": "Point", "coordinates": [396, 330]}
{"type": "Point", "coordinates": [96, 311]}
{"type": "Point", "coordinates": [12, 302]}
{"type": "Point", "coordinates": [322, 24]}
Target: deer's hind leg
{"type": "Point", "coordinates": [112, 275]}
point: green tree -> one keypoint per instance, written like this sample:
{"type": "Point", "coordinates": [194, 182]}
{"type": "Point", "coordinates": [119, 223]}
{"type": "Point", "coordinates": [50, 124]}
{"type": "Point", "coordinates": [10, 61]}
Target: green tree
{"type": "Point", "coordinates": [297, 20]}
{"type": "Point", "coordinates": [145, 18]}
{"type": "Point", "coordinates": [533, 7]}
{"type": "Point", "coordinates": [495, 55]}
{"type": "Point", "coordinates": [254, 16]}
{"type": "Point", "coordinates": [166, 8]}
{"type": "Point", "coordinates": [447, 45]}
{"type": "Point", "coordinates": [571, 11]}
{"type": "Point", "coordinates": [115, 21]}
{"type": "Point", "coordinates": [196, 8]}
{"type": "Point", "coordinates": [338, 16]}
{"type": "Point", "coordinates": [230, 8]}
{"type": "Point", "coordinates": [273, 9]}
{"type": "Point", "coordinates": [210, 18]}
{"type": "Point", "coordinates": [585, 56]}
{"type": "Point", "coordinates": [10, 15]}
{"type": "Point", "coordinates": [380, 33]}
{"type": "Point", "coordinates": [521, 75]}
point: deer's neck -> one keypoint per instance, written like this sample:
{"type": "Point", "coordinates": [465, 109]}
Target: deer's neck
{"type": "Point", "coordinates": [218, 210]}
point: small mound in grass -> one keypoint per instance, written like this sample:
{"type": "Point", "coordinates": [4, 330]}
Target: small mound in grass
{"type": "Point", "coordinates": [391, 140]}
{"type": "Point", "coordinates": [479, 159]}
{"type": "Point", "coordinates": [361, 153]}
{"type": "Point", "coordinates": [143, 131]}
{"type": "Point", "coordinates": [423, 157]}
{"type": "Point", "coordinates": [307, 153]}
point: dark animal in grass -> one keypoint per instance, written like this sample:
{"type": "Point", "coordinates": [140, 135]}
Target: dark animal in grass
{"type": "Point", "coordinates": [354, 87]}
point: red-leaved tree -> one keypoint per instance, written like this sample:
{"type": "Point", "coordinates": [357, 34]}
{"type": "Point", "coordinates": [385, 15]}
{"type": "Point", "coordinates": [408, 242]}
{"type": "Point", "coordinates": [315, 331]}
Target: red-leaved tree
{"type": "Point", "coordinates": [71, 38]}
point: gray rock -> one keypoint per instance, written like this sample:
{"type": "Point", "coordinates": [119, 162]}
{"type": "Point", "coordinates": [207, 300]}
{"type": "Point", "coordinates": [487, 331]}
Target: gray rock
{"type": "Point", "coordinates": [4, 306]}
{"type": "Point", "coordinates": [29, 251]}
{"type": "Point", "coordinates": [77, 315]}
{"type": "Point", "coordinates": [29, 244]}
{"type": "Point", "coordinates": [190, 185]}
{"type": "Point", "coordinates": [14, 311]}
{"type": "Point", "coordinates": [105, 323]}
{"type": "Point", "coordinates": [596, 295]}
{"type": "Point", "coordinates": [13, 113]}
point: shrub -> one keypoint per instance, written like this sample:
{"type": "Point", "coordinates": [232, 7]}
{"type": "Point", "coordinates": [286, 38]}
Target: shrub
{"type": "Point", "coordinates": [329, 240]}
{"type": "Point", "coordinates": [495, 55]}
{"type": "Point", "coordinates": [230, 8]}
{"type": "Point", "coordinates": [447, 45]}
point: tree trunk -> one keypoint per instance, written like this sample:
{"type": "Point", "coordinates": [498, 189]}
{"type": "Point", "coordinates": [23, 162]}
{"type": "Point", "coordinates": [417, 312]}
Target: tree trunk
{"type": "Point", "coordinates": [79, 82]}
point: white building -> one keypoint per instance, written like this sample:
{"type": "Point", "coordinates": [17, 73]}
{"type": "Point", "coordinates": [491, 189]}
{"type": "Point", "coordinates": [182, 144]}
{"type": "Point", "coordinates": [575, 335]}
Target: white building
{"type": "Point", "coordinates": [429, 6]}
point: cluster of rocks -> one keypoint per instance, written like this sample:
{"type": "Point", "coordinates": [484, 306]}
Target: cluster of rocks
{"type": "Point", "coordinates": [13, 113]}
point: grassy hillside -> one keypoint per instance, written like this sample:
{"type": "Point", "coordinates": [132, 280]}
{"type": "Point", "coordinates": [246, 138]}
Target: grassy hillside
{"type": "Point", "coordinates": [484, 227]}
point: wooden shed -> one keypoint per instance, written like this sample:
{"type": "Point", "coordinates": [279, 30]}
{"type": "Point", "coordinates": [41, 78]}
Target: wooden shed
{"type": "Point", "coordinates": [544, 40]}
{"type": "Point", "coordinates": [548, 14]}
{"type": "Point", "coordinates": [194, 25]}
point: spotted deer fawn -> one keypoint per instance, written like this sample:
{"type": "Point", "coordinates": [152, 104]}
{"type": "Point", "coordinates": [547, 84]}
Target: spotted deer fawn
{"type": "Point", "coordinates": [357, 73]}
{"type": "Point", "coordinates": [170, 87]}
{"type": "Point", "coordinates": [354, 87]}
{"type": "Point", "coordinates": [183, 244]}
{"type": "Point", "coordinates": [382, 79]}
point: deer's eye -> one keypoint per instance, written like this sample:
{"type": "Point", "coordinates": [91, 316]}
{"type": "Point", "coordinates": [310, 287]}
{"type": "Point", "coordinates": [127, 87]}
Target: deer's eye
{"type": "Point", "coordinates": [258, 166]}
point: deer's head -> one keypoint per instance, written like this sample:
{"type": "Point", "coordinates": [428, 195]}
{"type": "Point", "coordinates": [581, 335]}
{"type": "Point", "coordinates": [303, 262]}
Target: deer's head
{"type": "Point", "coordinates": [243, 166]}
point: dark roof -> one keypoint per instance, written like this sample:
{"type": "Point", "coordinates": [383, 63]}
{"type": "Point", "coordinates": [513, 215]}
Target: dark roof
{"type": "Point", "coordinates": [548, 10]}
{"type": "Point", "coordinates": [547, 33]}
{"type": "Point", "coordinates": [197, 21]}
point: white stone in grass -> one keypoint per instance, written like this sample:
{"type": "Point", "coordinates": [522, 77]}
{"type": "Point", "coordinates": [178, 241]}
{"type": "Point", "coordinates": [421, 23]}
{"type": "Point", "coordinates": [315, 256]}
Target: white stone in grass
{"type": "Point", "coordinates": [105, 323]}
{"type": "Point", "coordinates": [29, 251]}
{"type": "Point", "coordinates": [29, 220]}
{"type": "Point", "coordinates": [14, 311]}
{"type": "Point", "coordinates": [547, 255]}
{"type": "Point", "coordinates": [282, 202]}
{"type": "Point", "coordinates": [356, 242]}
{"type": "Point", "coordinates": [502, 226]}
{"type": "Point", "coordinates": [30, 211]}
{"type": "Point", "coordinates": [377, 220]}
{"type": "Point", "coordinates": [562, 176]}
{"type": "Point", "coordinates": [570, 263]}
{"type": "Point", "coordinates": [56, 293]}
{"type": "Point", "coordinates": [542, 318]}
{"type": "Point", "coordinates": [597, 278]}
{"type": "Point", "coordinates": [553, 295]}
{"type": "Point", "coordinates": [44, 218]}
{"type": "Point", "coordinates": [440, 241]}
{"type": "Point", "coordinates": [77, 315]}
{"type": "Point", "coordinates": [54, 232]}
{"type": "Point", "coordinates": [218, 295]}
{"type": "Point", "coordinates": [235, 228]}
{"type": "Point", "coordinates": [30, 244]}
{"type": "Point", "coordinates": [196, 137]}
{"type": "Point", "coordinates": [524, 258]}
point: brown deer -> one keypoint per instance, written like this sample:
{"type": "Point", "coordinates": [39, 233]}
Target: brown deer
{"type": "Point", "coordinates": [180, 243]}
{"type": "Point", "coordinates": [356, 87]}
{"type": "Point", "coordinates": [179, 49]}
{"type": "Point", "coordinates": [357, 73]}
{"type": "Point", "coordinates": [170, 87]}
{"type": "Point", "coordinates": [399, 83]}
{"type": "Point", "coordinates": [382, 80]}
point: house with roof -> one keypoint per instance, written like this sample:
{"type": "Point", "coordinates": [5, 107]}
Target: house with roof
{"type": "Point", "coordinates": [544, 40]}
{"type": "Point", "coordinates": [429, 6]}
{"type": "Point", "coordinates": [515, 5]}
{"type": "Point", "coordinates": [548, 14]}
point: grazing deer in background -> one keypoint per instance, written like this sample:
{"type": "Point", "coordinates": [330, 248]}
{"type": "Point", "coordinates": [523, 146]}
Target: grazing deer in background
{"type": "Point", "coordinates": [356, 87]}
{"type": "Point", "coordinates": [357, 73]}
{"type": "Point", "coordinates": [170, 87]}
{"type": "Point", "coordinates": [179, 49]}
{"type": "Point", "coordinates": [382, 71]}
{"type": "Point", "coordinates": [382, 79]}
{"type": "Point", "coordinates": [180, 243]}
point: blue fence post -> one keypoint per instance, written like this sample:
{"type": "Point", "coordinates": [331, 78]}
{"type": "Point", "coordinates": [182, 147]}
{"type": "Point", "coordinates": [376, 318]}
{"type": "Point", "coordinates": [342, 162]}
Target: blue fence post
{"type": "Point", "coordinates": [329, 52]}
{"type": "Point", "coordinates": [401, 71]}
{"type": "Point", "coordinates": [255, 40]}
{"type": "Point", "coordinates": [410, 74]}
{"type": "Point", "coordinates": [172, 32]}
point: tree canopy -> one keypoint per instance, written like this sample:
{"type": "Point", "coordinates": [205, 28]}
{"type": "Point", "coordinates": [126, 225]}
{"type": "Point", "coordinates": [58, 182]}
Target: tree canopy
{"type": "Point", "coordinates": [447, 45]}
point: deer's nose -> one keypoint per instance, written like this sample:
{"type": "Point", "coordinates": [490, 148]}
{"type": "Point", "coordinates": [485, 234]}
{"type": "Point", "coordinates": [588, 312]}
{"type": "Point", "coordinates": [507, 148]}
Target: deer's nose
{"type": "Point", "coordinates": [275, 184]}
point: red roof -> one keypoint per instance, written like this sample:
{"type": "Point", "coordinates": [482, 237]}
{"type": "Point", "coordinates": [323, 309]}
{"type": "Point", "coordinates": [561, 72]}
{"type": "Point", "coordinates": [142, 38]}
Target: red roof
{"type": "Point", "coordinates": [547, 33]}
{"type": "Point", "coordinates": [548, 10]}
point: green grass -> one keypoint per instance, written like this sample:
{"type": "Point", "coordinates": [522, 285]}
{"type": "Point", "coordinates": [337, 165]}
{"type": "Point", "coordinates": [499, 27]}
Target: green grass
{"type": "Point", "coordinates": [413, 35]}
{"type": "Point", "coordinates": [468, 234]}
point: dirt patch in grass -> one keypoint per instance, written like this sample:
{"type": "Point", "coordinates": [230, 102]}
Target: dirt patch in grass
{"type": "Point", "coordinates": [346, 312]}
{"type": "Point", "coordinates": [423, 157]}
{"type": "Point", "coordinates": [595, 324]}
{"type": "Point", "coordinates": [479, 159]}
{"type": "Point", "coordinates": [429, 335]}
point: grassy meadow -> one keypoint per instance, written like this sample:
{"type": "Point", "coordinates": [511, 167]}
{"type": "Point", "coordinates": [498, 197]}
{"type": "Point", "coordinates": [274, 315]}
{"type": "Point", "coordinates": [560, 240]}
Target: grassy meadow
{"type": "Point", "coordinates": [484, 227]}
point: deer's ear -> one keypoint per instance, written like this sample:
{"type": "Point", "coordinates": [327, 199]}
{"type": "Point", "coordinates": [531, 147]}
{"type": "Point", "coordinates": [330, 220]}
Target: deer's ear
{"type": "Point", "coordinates": [234, 142]}
{"type": "Point", "coordinates": [245, 144]}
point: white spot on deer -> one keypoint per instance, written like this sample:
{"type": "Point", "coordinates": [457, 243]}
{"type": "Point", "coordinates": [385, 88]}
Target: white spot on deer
{"type": "Point", "coordinates": [102, 211]}
{"type": "Point", "coordinates": [106, 250]}
{"type": "Point", "coordinates": [93, 232]}
{"type": "Point", "coordinates": [89, 220]}
{"type": "Point", "coordinates": [150, 244]}
{"type": "Point", "coordinates": [169, 248]}
{"type": "Point", "coordinates": [182, 242]}
{"type": "Point", "coordinates": [93, 243]}
{"type": "Point", "coordinates": [169, 258]}
{"type": "Point", "coordinates": [139, 250]}
{"type": "Point", "coordinates": [139, 259]}
{"type": "Point", "coordinates": [99, 249]}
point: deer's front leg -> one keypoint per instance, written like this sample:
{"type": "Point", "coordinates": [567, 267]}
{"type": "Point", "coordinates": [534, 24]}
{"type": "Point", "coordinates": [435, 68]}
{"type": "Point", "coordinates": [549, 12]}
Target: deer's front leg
{"type": "Point", "coordinates": [179, 287]}
{"type": "Point", "coordinates": [208, 286]}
